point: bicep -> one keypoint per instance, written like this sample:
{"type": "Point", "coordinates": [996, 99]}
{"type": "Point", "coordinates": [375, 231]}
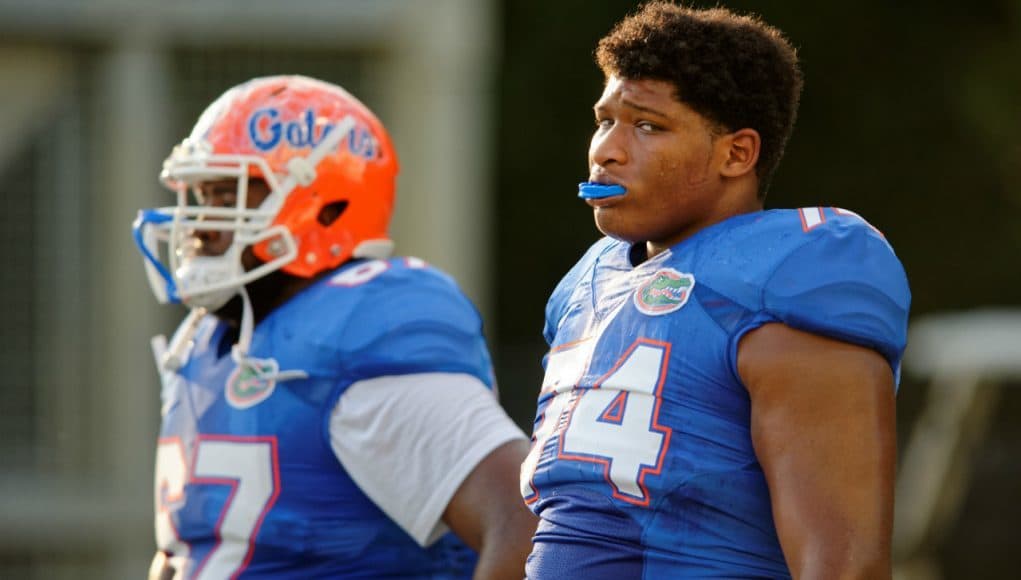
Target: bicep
{"type": "Point", "coordinates": [823, 430]}
{"type": "Point", "coordinates": [410, 441]}
{"type": "Point", "coordinates": [489, 500]}
{"type": "Point", "coordinates": [488, 513]}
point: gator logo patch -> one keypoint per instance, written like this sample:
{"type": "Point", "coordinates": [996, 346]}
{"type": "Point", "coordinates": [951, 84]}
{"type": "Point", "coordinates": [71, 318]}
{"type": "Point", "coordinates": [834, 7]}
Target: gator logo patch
{"type": "Point", "coordinates": [251, 382]}
{"type": "Point", "coordinates": [664, 292]}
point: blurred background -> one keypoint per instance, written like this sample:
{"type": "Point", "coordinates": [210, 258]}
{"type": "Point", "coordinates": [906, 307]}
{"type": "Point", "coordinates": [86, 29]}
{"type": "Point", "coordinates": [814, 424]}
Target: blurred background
{"type": "Point", "coordinates": [910, 116]}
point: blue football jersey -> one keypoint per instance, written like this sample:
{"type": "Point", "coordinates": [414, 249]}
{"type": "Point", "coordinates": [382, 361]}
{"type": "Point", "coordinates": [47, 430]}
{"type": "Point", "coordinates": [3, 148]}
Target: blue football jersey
{"type": "Point", "coordinates": [247, 483]}
{"type": "Point", "coordinates": [642, 463]}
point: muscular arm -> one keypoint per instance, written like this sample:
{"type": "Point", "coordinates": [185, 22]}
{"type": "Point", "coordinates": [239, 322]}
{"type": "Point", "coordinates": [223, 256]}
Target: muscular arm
{"type": "Point", "coordinates": [487, 512]}
{"type": "Point", "coordinates": [823, 427]}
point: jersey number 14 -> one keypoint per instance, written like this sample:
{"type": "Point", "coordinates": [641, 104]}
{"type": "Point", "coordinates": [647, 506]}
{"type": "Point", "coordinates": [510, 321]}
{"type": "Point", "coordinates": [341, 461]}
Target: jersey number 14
{"type": "Point", "coordinates": [614, 423]}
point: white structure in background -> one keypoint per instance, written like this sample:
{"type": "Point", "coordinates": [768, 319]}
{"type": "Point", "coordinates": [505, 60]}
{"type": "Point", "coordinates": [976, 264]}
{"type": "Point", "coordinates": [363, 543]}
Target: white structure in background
{"type": "Point", "coordinates": [431, 83]}
{"type": "Point", "coordinates": [965, 357]}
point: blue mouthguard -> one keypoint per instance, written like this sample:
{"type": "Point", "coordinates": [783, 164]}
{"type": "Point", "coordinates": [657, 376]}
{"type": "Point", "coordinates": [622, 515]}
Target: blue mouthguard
{"type": "Point", "coordinates": [590, 190]}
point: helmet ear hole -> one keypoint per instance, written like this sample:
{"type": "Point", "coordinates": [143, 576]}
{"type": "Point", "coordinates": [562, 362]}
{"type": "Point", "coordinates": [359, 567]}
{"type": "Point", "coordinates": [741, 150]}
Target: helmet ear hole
{"type": "Point", "coordinates": [331, 212]}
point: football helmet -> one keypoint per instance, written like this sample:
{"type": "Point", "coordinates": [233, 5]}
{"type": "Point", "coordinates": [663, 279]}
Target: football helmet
{"type": "Point", "coordinates": [316, 146]}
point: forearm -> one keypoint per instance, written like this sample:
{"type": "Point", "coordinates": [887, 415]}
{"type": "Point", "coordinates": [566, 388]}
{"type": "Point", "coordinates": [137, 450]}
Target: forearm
{"type": "Point", "coordinates": [487, 512]}
{"type": "Point", "coordinates": [853, 559]}
{"type": "Point", "coordinates": [502, 555]}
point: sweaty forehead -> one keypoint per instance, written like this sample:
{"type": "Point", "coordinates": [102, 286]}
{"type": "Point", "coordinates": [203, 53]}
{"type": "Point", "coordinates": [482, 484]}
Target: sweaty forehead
{"type": "Point", "coordinates": [630, 92]}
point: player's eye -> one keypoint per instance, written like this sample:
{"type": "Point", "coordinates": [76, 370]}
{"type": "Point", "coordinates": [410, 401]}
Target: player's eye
{"type": "Point", "coordinates": [647, 127]}
{"type": "Point", "coordinates": [221, 199]}
{"type": "Point", "coordinates": [604, 123]}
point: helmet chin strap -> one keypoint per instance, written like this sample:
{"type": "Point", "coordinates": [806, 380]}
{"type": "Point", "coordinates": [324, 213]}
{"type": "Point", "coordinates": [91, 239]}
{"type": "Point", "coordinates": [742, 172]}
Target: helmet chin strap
{"type": "Point", "coordinates": [172, 357]}
{"type": "Point", "coordinates": [239, 352]}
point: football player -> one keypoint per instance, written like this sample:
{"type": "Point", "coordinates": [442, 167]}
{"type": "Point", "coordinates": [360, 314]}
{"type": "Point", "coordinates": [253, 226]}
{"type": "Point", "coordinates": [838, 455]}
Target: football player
{"type": "Point", "coordinates": [328, 411]}
{"type": "Point", "coordinates": [719, 389]}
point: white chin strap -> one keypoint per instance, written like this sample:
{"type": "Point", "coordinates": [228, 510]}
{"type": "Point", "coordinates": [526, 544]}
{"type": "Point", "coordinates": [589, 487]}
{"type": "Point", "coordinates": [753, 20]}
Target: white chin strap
{"type": "Point", "coordinates": [173, 357]}
{"type": "Point", "coordinates": [239, 352]}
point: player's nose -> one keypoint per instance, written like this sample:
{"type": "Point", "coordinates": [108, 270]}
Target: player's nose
{"type": "Point", "coordinates": [212, 242]}
{"type": "Point", "coordinates": [608, 147]}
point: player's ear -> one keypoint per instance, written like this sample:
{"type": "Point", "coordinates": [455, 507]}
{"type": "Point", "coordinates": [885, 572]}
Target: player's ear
{"type": "Point", "coordinates": [742, 152]}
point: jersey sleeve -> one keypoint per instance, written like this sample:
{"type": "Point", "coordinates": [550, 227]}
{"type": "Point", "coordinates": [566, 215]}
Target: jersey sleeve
{"type": "Point", "coordinates": [846, 283]}
{"type": "Point", "coordinates": [416, 321]}
{"type": "Point", "coordinates": [410, 441]}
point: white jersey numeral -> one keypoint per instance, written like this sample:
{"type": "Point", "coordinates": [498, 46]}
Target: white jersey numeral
{"type": "Point", "coordinates": [564, 369]}
{"type": "Point", "coordinates": [811, 217]}
{"type": "Point", "coordinates": [360, 274]}
{"type": "Point", "coordinates": [842, 211]}
{"type": "Point", "coordinates": [171, 475]}
{"type": "Point", "coordinates": [249, 466]}
{"type": "Point", "coordinates": [614, 423]}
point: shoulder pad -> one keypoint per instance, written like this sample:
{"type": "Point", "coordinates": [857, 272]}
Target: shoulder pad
{"type": "Point", "coordinates": [837, 276]}
{"type": "Point", "coordinates": [410, 317]}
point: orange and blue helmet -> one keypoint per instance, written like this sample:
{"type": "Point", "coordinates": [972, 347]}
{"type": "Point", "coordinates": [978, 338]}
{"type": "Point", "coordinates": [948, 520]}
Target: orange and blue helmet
{"type": "Point", "coordinates": [315, 146]}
